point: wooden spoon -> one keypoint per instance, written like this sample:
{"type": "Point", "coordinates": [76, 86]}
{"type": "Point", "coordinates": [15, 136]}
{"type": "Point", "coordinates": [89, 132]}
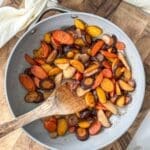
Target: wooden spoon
{"type": "Point", "coordinates": [61, 102]}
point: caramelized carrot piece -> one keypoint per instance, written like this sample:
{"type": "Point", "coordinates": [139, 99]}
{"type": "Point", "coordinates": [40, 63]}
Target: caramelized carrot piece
{"type": "Point", "coordinates": [107, 73]}
{"type": "Point", "coordinates": [78, 76]}
{"type": "Point", "coordinates": [72, 129]}
{"type": "Point", "coordinates": [27, 82]}
{"type": "Point", "coordinates": [45, 50]}
{"type": "Point", "coordinates": [55, 43]}
{"type": "Point", "coordinates": [29, 59]}
{"type": "Point", "coordinates": [62, 37]}
{"type": "Point", "coordinates": [112, 93]}
{"type": "Point", "coordinates": [120, 45]}
{"type": "Point", "coordinates": [98, 80]}
{"type": "Point", "coordinates": [108, 54]}
{"type": "Point", "coordinates": [99, 106]}
{"type": "Point", "coordinates": [50, 125]}
{"type": "Point", "coordinates": [107, 85]}
{"type": "Point", "coordinates": [110, 49]}
{"type": "Point", "coordinates": [39, 61]}
{"type": "Point", "coordinates": [96, 47]}
{"type": "Point", "coordinates": [38, 72]}
{"type": "Point", "coordinates": [106, 64]}
{"type": "Point", "coordinates": [95, 128]}
{"type": "Point", "coordinates": [36, 81]}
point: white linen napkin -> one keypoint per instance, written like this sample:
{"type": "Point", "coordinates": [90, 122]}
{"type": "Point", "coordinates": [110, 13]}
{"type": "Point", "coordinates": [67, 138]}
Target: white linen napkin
{"type": "Point", "coordinates": [13, 20]}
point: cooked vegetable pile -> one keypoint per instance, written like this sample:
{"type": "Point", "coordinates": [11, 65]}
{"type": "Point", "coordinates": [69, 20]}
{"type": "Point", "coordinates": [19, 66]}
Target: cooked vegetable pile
{"type": "Point", "coordinates": [97, 69]}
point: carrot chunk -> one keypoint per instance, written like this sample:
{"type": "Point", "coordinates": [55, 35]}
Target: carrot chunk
{"type": "Point", "coordinates": [107, 73]}
{"type": "Point", "coordinates": [98, 80]}
{"type": "Point", "coordinates": [106, 64]}
{"type": "Point", "coordinates": [38, 72]}
{"type": "Point", "coordinates": [27, 82]}
{"type": "Point", "coordinates": [120, 45]}
{"type": "Point", "coordinates": [109, 54]}
{"type": "Point", "coordinates": [62, 37]}
{"type": "Point", "coordinates": [29, 59]}
{"type": "Point", "coordinates": [96, 47]}
{"type": "Point", "coordinates": [45, 50]}
{"type": "Point", "coordinates": [95, 128]}
{"type": "Point", "coordinates": [36, 81]}
{"type": "Point", "coordinates": [78, 76]}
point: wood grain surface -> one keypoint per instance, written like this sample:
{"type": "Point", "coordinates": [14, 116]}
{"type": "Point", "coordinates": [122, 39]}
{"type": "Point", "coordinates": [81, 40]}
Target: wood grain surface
{"type": "Point", "coordinates": [131, 19]}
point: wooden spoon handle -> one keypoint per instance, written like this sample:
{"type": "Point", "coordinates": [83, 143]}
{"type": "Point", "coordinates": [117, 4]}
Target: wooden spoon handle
{"type": "Point", "coordinates": [37, 113]}
{"type": "Point", "coordinates": [17, 123]}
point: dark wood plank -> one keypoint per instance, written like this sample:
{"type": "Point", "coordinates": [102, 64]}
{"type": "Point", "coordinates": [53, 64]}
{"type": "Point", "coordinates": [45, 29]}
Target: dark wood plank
{"type": "Point", "coordinates": [100, 7]}
{"type": "Point", "coordinates": [108, 7]}
{"type": "Point", "coordinates": [131, 20]}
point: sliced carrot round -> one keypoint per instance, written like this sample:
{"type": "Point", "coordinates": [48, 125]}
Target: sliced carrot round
{"type": "Point", "coordinates": [107, 73]}
{"type": "Point", "coordinates": [50, 125]}
{"type": "Point", "coordinates": [78, 76]}
{"type": "Point", "coordinates": [109, 54]}
{"type": "Point", "coordinates": [107, 85]}
{"type": "Point", "coordinates": [120, 45]}
{"type": "Point", "coordinates": [38, 72]}
{"type": "Point", "coordinates": [98, 80]}
{"type": "Point", "coordinates": [27, 82]}
{"type": "Point", "coordinates": [36, 81]}
{"type": "Point", "coordinates": [62, 37]}
{"type": "Point", "coordinates": [29, 59]}
{"type": "Point", "coordinates": [106, 64]}
{"type": "Point", "coordinates": [95, 128]}
{"type": "Point", "coordinates": [40, 61]}
{"type": "Point", "coordinates": [96, 47]}
{"type": "Point", "coordinates": [45, 50]}
{"type": "Point", "coordinates": [100, 106]}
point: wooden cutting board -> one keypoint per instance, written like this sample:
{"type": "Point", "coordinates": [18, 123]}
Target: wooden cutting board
{"type": "Point", "coordinates": [131, 19]}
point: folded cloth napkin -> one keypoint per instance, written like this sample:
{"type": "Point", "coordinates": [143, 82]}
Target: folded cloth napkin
{"type": "Point", "coordinates": [13, 20]}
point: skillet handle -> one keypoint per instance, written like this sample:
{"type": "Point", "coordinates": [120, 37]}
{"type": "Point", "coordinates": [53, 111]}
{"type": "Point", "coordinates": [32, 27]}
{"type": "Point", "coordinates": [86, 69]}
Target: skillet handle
{"type": "Point", "coordinates": [52, 7]}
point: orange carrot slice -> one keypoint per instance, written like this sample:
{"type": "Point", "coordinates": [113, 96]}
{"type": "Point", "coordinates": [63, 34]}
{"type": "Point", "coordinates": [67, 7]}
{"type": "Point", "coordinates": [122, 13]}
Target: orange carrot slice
{"type": "Point", "coordinates": [98, 80]}
{"type": "Point", "coordinates": [120, 45]}
{"type": "Point", "coordinates": [99, 106]}
{"type": "Point", "coordinates": [29, 59]}
{"type": "Point", "coordinates": [62, 37]}
{"type": "Point", "coordinates": [45, 50]}
{"type": "Point", "coordinates": [50, 125]}
{"type": "Point", "coordinates": [72, 129]}
{"type": "Point", "coordinates": [95, 128]}
{"type": "Point", "coordinates": [108, 54]}
{"type": "Point", "coordinates": [55, 43]}
{"type": "Point", "coordinates": [38, 72]}
{"type": "Point", "coordinates": [78, 76]}
{"type": "Point", "coordinates": [39, 61]}
{"type": "Point", "coordinates": [27, 82]}
{"type": "Point", "coordinates": [36, 81]}
{"type": "Point", "coordinates": [112, 93]}
{"type": "Point", "coordinates": [106, 64]}
{"type": "Point", "coordinates": [107, 85]}
{"type": "Point", "coordinates": [107, 73]}
{"type": "Point", "coordinates": [96, 47]}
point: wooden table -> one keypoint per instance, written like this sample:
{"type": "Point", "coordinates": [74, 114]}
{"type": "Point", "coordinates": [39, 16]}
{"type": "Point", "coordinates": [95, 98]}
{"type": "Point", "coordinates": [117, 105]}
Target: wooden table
{"type": "Point", "coordinates": [131, 19]}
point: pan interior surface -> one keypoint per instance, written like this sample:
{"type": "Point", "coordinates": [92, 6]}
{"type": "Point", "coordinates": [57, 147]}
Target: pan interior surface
{"type": "Point", "coordinates": [15, 92]}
